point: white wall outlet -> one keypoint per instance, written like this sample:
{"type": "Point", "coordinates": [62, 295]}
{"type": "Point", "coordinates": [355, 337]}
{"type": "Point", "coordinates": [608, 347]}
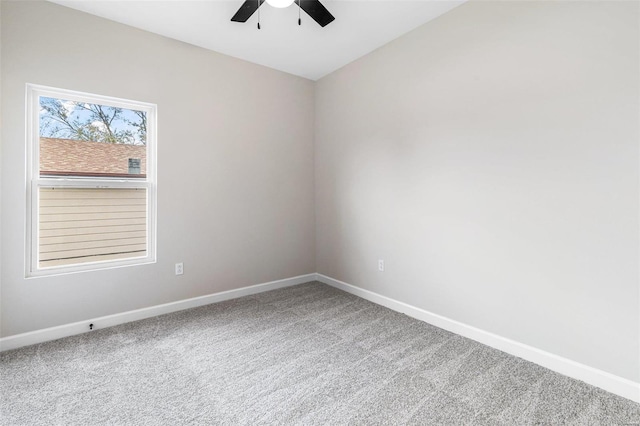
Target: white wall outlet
{"type": "Point", "coordinates": [380, 265]}
{"type": "Point", "coordinates": [179, 268]}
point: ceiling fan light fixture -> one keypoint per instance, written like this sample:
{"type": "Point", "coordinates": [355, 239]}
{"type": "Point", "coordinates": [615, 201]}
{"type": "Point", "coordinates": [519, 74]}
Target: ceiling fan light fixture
{"type": "Point", "coordinates": [280, 3]}
{"type": "Point", "coordinates": [313, 8]}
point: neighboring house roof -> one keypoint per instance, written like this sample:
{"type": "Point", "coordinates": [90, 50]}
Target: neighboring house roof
{"type": "Point", "coordinates": [84, 158]}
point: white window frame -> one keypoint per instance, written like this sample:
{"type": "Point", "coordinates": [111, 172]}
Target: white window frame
{"type": "Point", "coordinates": [34, 182]}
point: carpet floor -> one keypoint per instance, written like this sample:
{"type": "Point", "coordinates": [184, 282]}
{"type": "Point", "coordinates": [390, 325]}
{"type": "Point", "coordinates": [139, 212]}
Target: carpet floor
{"type": "Point", "coordinates": [308, 354]}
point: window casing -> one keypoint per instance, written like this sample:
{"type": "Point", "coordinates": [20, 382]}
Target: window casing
{"type": "Point", "coordinates": [86, 201]}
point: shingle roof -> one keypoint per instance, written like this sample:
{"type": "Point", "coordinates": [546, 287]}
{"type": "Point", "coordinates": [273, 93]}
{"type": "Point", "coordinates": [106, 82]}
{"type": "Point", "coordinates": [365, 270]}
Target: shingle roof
{"type": "Point", "coordinates": [74, 157]}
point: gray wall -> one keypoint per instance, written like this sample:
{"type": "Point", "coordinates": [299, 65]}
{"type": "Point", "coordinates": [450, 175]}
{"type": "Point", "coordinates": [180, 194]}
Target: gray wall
{"type": "Point", "coordinates": [490, 157]}
{"type": "Point", "coordinates": [235, 181]}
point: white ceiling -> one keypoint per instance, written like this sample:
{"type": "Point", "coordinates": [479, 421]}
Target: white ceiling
{"type": "Point", "coordinates": [309, 50]}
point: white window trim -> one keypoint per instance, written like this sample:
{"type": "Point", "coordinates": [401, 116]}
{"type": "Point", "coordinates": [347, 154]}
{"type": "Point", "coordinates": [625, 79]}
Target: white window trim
{"type": "Point", "coordinates": [34, 181]}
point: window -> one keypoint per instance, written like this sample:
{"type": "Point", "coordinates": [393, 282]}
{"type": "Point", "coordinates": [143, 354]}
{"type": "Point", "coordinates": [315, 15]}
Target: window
{"type": "Point", "coordinates": [91, 181]}
{"type": "Point", "coordinates": [134, 166]}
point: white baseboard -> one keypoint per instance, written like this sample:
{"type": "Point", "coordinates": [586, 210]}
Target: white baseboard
{"type": "Point", "coordinates": [607, 381]}
{"type": "Point", "coordinates": [53, 333]}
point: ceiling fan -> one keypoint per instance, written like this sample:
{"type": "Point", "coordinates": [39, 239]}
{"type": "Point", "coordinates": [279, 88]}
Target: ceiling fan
{"type": "Point", "coordinates": [313, 8]}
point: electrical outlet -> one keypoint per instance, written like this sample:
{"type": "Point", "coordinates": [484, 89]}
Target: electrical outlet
{"type": "Point", "coordinates": [380, 265]}
{"type": "Point", "coordinates": [179, 268]}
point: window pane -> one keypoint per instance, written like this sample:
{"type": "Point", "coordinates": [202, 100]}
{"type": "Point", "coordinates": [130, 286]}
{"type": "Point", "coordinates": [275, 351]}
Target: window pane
{"type": "Point", "coordinates": [91, 140]}
{"type": "Point", "coordinates": [90, 225]}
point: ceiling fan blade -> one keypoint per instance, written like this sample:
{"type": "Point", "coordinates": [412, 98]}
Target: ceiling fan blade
{"type": "Point", "coordinates": [317, 11]}
{"type": "Point", "coordinates": [246, 10]}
